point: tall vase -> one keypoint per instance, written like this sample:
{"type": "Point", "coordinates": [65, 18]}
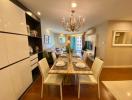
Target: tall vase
{"type": "Point", "coordinates": [70, 55]}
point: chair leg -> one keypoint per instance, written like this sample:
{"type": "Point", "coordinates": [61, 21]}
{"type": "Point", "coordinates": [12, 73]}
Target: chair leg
{"type": "Point", "coordinates": [42, 89]}
{"type": "Point", "coordinates": [98, 91]}
{"type": "Point", "coordinates": [61, 92]}
{"type": "Point", "coordinates": [79, 91]}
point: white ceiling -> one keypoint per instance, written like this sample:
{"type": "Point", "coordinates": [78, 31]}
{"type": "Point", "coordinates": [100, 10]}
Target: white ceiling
{"type": "Point", "coordinates": [94, 11]}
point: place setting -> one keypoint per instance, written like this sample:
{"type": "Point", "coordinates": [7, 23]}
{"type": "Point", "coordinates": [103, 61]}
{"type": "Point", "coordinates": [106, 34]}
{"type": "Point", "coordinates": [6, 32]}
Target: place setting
{"type": "Point", "coordinates": [60, 65]}
{"type": "Point", "coordinates": [80, 66]}
{"type": "Point", "coordinates": [76, 56]}
{"type": "Point", "coordinates": [64, 55]}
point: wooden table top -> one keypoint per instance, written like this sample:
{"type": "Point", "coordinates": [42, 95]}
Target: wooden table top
{"type": "Point", "coordinates": [70, 68]}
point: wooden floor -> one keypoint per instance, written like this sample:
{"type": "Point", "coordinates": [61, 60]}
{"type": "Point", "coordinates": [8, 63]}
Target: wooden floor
{"type": "Point", "coordinates": [70, 92]}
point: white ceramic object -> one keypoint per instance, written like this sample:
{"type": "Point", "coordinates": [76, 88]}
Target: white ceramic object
{"type": "Point", "coordinates": [60, 63]}
{"type": "Point", "coordinates": [80, 65]}
{"type": "Point", "coordinates": [64, 55]}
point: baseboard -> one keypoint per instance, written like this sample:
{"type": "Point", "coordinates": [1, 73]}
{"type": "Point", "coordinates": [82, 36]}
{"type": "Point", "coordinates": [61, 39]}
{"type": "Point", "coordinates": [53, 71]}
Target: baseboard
{"type": "Point", "coordinates": [118, 66]}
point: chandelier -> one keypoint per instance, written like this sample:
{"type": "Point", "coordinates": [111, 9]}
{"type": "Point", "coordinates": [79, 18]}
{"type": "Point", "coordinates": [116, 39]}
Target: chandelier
{"type": "Point", "coordinates": [73, 23]}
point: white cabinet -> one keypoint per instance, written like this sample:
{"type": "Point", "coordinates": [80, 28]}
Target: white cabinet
{"type": "Point", "coordinates": [3, 51]}
{"type": "Point", "coordinates": [34, 61]}
{"type": "Point", "coordinates": [1, 16]}
{"type": "Point", "coordinates": [26, 73]}
{"type": "Point", "coordinates": [6, 90]}
{"type": "Point", "coordinates": [12, 48]}
{"type": "Point", "coordinates": [16, 79]}
{"type": "Point", "coordinates": [13, 17]}
{"type": "Point", "coordinates": [21, 77]}
{"type": "Point", "coordinates": [17, 47]}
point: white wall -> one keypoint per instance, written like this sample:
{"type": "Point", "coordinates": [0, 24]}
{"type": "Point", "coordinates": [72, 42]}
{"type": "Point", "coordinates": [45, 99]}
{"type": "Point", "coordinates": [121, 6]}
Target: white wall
{"type": "Point", "coordinates": [57, 41]}
{"type": "Point", "coordinates": [47, 31]}
{"type": "Point", "coordinates": [54, 37]}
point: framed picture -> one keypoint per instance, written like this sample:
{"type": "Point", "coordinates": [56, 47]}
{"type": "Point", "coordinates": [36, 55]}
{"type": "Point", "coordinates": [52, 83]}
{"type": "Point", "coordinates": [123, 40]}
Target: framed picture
{"type": "Point", "coordinates": [122, 38]}
{"type": "Point", "coordinates": [46, 39]}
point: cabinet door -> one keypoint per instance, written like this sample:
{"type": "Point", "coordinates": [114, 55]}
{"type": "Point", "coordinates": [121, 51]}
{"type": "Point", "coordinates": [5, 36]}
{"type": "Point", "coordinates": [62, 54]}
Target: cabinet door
{"type": "Point", "coordinates": [14, 18]}
{"type": "Point", "coordinates": [6, 90]}
{"type": "Point", "coordinates": [17, 47]}
{"type": "Point", "coordinates": [1, 16]}
{"type": "Point", "coordinates": [21, 77]}
{"type": "Point", "coordinates": [26, 73]}
{"type": "Point", "coordinates": [3, 51]}
{"type": "Point", "coordinates": [16, 79]}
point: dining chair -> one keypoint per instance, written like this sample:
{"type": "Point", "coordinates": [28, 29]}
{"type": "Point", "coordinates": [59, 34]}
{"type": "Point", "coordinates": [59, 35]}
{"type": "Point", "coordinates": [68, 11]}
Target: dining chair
{"type": "Point", "coordinates": [91, 79]}
{"type": "Point", "coordinates": [49, 79]}
{"type": "Point", "coordinates": [54, 56]}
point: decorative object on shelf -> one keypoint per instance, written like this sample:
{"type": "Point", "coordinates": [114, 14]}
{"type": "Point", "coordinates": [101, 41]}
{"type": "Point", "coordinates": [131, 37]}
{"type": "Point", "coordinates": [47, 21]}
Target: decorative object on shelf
{"type": "Point", "coordinates": [46, 39]}
{"type": "Point", "coordinates": [34, 33]}
{"type": "Point", "coordinates": [122, 38]}
{"type": "Point", "coordinates": [37, 49]}
{"type": "Point", "coordinates": [28, 29]}
{"type": "Point", "coordinates": [31, 50]}
{"type": "Point", "coordinates": [73, 23]}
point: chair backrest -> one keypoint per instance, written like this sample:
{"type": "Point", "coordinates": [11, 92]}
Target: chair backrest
{"type": "Point", "coordinates": [97, 68]}
{"type": "Point", "coordinates": [54, 56]}
{"type": "Point", "coordinates": [44, 68]}
{"type": "Point", "coordinates": [85, 56]}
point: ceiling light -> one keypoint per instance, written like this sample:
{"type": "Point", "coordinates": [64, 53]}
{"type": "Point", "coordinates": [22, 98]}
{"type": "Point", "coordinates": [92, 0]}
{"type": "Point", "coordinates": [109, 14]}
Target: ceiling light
{"type": "Point", "coordinates": [38, 13]}
{"type": "Point", "coordinates": [61, 35]}
{"type": "Point", "coordinates": [73, 23]}
{"type": "Point", "coordinates": [29, 13]}
{"type": "Point", "coordinates": [128, 94]}
{"type": "Point", "coordinates": [73, 5]}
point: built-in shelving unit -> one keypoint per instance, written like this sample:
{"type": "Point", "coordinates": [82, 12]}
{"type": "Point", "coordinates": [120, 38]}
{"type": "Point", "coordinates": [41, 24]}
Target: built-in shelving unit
{"type": "Point", "coordinates": [35, 43]}
{"type": "Point", "coordinates": [34, 34]}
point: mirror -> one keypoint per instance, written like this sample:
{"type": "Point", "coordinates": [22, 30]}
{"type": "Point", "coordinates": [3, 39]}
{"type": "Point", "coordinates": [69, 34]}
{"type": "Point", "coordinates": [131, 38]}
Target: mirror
{"type": "Point", "coordinates": [122, 38]}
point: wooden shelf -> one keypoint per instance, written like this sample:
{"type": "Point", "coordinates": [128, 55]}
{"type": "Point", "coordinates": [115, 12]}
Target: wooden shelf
{"type": "Point", "coordinates": [36, 53]}
{"type": "Point", "coordinates": [34, 36]}
{"type": "Point", "coordinates": [34, 66]}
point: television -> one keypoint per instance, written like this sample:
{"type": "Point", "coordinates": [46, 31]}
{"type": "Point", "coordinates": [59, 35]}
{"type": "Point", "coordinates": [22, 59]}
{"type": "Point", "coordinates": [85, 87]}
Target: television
{"type": "Point", "coordinates": [89, 45]}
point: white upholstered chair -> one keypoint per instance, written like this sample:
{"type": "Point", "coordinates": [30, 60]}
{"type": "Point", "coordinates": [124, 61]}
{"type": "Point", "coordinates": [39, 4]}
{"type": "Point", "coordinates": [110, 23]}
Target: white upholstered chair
{"type": "Point", "coordinates": [54, 56]}
{"type": "Point", "coordinates": [92, 79]}
{"type": "Point", "coordinates": [49, 79]}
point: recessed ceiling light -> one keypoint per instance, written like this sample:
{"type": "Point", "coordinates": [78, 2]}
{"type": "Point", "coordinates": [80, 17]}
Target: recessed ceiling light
{"type": "Point", "coordinates": [128, 94]}
{"type": "Point", "coordinates": [38, 13]}
{"type": "Point", "coordinates": [73, 5]}
{"type": "Point", "coordinates": [29, 13]}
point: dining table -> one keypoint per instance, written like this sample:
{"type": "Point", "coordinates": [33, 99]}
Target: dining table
{"type": "Point", "coordinates": [70, 67]}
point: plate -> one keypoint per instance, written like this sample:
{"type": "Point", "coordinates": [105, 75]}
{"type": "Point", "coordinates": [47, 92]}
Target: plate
{"type": "Point", "coordinates": [60, 63]}
{"type": "Point", "coordinates": [80, 65]}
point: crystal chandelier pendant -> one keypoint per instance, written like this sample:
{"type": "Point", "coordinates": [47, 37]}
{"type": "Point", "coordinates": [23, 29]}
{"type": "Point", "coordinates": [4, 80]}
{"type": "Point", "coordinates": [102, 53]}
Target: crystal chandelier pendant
{"type": "Point", "coordinates": [73, 23]}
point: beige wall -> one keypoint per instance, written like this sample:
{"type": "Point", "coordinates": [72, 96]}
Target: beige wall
{"type": "Point", "coordinates": [101, 32]}
{"type": "Point", "coordinates": [118, 55]}
{"type": "Point", "coordinates": [113, 56]}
